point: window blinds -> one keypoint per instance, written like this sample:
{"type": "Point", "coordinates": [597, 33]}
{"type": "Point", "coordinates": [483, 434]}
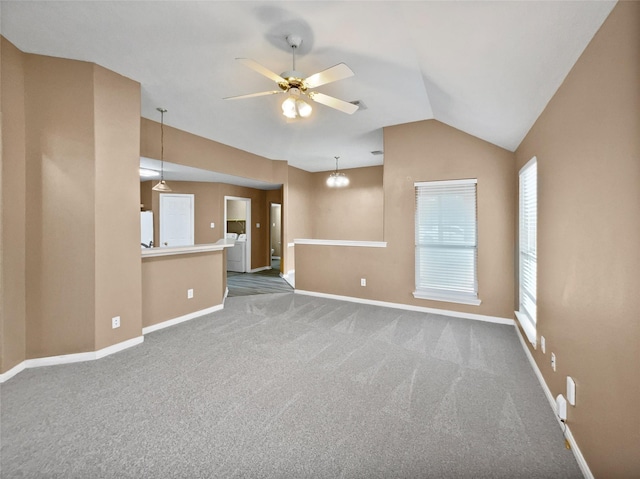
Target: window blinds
{"type": "Point", "coordinates": [446, 240]}
{"type": "Point", "coordinates": [527, 241]}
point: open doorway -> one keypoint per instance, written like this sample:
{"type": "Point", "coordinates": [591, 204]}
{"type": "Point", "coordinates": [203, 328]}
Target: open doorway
{"type": "Point", "coordinates": [275, 235]}
{"type": "Point", "coordinates": [237, 223]}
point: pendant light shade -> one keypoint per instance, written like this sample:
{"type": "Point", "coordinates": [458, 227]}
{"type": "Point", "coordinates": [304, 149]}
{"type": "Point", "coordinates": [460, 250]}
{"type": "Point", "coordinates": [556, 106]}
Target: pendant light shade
{"type": "Point", "coordinates": [337, 179]}
{"type": "Point", "coordinates": [162, 185]}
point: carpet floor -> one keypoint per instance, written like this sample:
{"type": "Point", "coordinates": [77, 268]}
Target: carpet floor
{"type": "Point", "coordinates": [291, 386]}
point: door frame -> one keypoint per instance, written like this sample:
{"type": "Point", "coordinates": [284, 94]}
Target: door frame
{"type": "Point", "coordinates": [162, 196]}
{"type": "Point", "coordinates": [271, 205]}
{"type": "Point", "coordinates": [247, 224]}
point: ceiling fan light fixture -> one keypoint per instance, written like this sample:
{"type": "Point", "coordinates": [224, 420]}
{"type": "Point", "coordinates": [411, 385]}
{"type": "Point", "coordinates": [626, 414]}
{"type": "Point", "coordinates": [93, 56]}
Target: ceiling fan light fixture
{"type": "Point", "coordinates": [294, 106]}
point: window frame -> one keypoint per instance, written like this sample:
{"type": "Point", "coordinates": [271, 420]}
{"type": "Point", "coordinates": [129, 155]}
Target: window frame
{"type": "Point", "coordinates": [527, 316]}
{"type": "Point", "coordinates": [437, 293]}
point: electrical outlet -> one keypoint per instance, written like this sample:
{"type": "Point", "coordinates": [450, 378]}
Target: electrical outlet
{"type": "Point", "coordinates": [213, 225]}
{"type": "Point", "coordinates": [189, 294]}
{"type": "Point", "coordinates": [363, 281]}
{"type": "Point", "coordinates": [115, 322]}
{"type": "Point", "coordinates": [553, 361]}
{"type": "Point", "coordinates": [543, 345]}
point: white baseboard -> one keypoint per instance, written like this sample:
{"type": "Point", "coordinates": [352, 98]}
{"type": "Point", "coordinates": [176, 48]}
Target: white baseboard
{"type": "Point", "coordinates": [70, 358]}
{"type": "Point", "coordinates": [12, 372]}
{"type": "Point", "coordinates": [409, 307]}
{"type": "Point", "coordinates": [582, 463]}
{"type": "Point", "coordinates": [181, 319]}
{"type": "Point", "coordinates": [262, 268]}
{"type": "Point", "coordinates": [290, 277]}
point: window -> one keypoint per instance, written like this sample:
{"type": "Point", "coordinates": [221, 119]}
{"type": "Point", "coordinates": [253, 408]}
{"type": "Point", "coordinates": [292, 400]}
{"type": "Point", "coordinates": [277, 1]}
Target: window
{"type": "Point", "coordinates": [446, 241]}
{"type": "Point", "coordinates": [528, 219]}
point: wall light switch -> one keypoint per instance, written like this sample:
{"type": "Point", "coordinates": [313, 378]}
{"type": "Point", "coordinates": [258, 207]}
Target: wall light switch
{"type": "Point", "coordinates": [257, 225]}
{"type": "Point", "coordinates": [543, 344]}
{"type": "Point", "coordinates": [363, 281]}
{"type": "Point", "coordinates": [189, 293]}
{"type": "Point", "coordinates": [213, 225]}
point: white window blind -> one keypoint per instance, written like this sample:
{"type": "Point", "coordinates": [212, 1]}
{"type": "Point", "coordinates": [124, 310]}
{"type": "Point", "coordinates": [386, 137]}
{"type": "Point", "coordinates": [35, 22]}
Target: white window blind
{"type": "Point", "coordinates": [528, 218]}
{"type": "Point", "coordinates": [446, 241]}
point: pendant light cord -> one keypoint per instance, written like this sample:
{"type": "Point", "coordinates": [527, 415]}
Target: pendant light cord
{"type": "Point", "coordinates": [162, 112]}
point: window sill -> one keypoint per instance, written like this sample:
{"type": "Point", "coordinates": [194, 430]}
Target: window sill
{"type": "Point", "coordinates": [447, 298]}
{"type": "Point", "coordinates": [528, 328]}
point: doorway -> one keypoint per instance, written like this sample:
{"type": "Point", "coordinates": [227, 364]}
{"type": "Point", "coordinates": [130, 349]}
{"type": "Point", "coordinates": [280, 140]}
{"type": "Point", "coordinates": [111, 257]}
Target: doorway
{"type": "Point", "coordinates": [237, 220]}
{"type": "Point", "coordinates": [176, 220]}
{"type": "Point", "coordinates": [275, 235]}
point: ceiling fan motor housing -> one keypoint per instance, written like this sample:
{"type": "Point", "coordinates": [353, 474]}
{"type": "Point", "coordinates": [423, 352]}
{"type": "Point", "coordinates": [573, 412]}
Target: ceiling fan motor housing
{"type": "Point", "coordinates": [294, 79]}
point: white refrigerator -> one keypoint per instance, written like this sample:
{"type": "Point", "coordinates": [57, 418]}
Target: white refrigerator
{"type": "Point", "coordinates": [146, 229]}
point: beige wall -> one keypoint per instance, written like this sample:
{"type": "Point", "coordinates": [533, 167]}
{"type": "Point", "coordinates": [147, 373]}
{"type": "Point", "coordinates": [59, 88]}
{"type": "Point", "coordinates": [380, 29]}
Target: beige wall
{"type": "Point", "coordinates": [166, 279]}
{"type": "Point", "coordinates": [69, 256]}
{"type": "Point", "coordinates": [60, 206]}
{"type": "Point", "coordinates": [146, 195]}
{"type": "Point", "coordinates": [207, 209]}
{"type": "Point", "coordinates": [187, 149]}
{"type": "Point", "coordinates": [587, 142]}
{"type": "Point", "coordinates": [425, 151]}
{"type": "Point", "coordinates": [297, 213]}
{"type": "Point", "coordinates": [118, 291]}
{"type": "Point", "coordinates": [12, 208]}
{"type": "Point", "coordinates": [351, 213]}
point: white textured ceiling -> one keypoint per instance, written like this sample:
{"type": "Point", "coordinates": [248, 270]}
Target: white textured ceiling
{"type": "Point", "coordinates": [487, 68]}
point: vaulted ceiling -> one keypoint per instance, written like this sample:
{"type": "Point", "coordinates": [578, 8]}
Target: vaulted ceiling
{"type": "Point", "coordinates": [487, 68]}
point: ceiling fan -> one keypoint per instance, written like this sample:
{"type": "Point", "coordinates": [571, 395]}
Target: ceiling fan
{"type": "Point", "coordinates": [296, 86]}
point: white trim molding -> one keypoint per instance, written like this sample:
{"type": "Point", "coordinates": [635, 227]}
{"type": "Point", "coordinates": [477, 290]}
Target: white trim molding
{"type": "Point", "coordinates": [200, 248]}
{"type": "Point", "coordinates": [410, 307]}
{"type": "Point", "coordinates": [448, 298]}
{"type": "Point", "coordinates": [528, 328]}
{"type": "Point", "coordinates": [582, 463]}
{"type": "Point", "coordinates": [290, 277]}
{"type": "Point", "coordinates": [261, 268]}
{"type": "Point", "coordinates": [70, 358]}
{"type": "Point", "coordinates": [325, 242]}
{"type": "Point", "coordinates": [182, 319]}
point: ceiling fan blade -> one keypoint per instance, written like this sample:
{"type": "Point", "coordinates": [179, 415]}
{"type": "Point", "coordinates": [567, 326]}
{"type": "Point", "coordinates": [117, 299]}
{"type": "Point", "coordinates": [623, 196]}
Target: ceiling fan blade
{"type": "Point", "coordinates": [335, 73]}
{"type": "Point", "coordinates": [260, 69]}
{"type": "Point", "coordinates": [251, 95]}
{"type": "Point", "coordinates": [332, 102]}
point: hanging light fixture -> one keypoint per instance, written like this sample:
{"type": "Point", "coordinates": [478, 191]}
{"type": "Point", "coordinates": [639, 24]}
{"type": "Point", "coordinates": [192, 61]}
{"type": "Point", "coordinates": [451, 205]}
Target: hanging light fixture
{"type": "Point", "coordinates": [336, 179]}
{"type": "Point", "coordinates": [162, 185]}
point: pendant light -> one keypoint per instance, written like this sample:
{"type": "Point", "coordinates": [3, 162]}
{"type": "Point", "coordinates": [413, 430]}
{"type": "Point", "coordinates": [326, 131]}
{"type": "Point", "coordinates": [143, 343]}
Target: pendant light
{"type": "Point", "coordinates": [162, 185]}
{"type": "Point", "coordinates": [336, 179]}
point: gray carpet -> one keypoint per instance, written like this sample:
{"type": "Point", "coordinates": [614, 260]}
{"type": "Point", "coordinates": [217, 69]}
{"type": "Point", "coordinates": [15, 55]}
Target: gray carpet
{"type": "Point", "coordinates": [291, 386]}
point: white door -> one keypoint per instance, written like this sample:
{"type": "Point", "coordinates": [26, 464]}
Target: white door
{"type": "Point", "coordinates": [176, 220]}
